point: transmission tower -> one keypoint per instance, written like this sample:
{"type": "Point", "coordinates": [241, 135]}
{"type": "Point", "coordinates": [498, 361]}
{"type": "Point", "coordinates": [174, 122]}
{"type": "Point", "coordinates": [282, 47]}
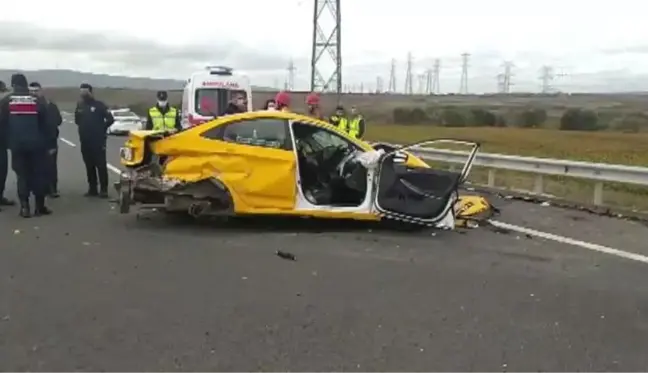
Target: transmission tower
{"type": "Point", "coordinates": [409, 78]}
{"type": "Point", "coordinates": [436, 86]}
{"type": "Point", "coordinates": [379, 84]}
{"type": "Point", "coordinates": [421, 83]}
{"type": "Point", "coordinates": [392, 77]}
{"type": "Point", "coordinates": [289, 85]}
{"type": "Point", "coordinates": [463, 87]}
{"type": "Point", "coordinates": [504, 80]}
{"type": "Point", "coordinates": [428, 81]}
{"type": "Point", "coordinates": [326, 42]}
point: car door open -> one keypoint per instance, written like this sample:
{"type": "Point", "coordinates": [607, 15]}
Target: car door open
{"type": "Point", "coordinates": [421, 195]}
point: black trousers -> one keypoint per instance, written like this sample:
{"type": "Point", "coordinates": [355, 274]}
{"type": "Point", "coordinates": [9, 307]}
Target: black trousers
{"type": "Point", "coordinates": [94, 157]}
{"type": "Point", "coordinates": [52, 171]}
{"type": "Point", "coordinates": [4, 169]}
{"type": "Point", "coordinates": [31, 173]}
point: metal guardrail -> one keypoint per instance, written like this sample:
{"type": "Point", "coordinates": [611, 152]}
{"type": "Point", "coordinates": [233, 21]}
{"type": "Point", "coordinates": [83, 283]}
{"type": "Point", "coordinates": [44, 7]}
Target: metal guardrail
{"type": "Point", "coordinates": [598, 172]}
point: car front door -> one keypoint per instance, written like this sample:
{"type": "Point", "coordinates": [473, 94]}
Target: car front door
{"type": "Point", "coordinates": [256, 159]}
{"type": "Point", "coordinates": [421, 195]}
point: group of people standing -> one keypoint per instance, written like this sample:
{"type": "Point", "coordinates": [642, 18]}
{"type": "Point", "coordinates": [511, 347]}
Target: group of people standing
{"type": "Point", "coordinates": [29, 131]}
{"type": "Point", "coordinates": [352, 123]}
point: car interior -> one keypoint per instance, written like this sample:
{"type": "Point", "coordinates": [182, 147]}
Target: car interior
{"type": "Point", "coordinates": [327, 168]}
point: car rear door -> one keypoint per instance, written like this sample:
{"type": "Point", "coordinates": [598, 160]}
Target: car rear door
{"type": "Point", "coordinates": [419, 195]}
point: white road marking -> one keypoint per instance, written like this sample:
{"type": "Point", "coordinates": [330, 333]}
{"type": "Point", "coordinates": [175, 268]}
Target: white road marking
{"type": "Point", "coordinates": [511, 227]}
{"type": "Point", "coordinates": [572, 242]}
{"type": "Point", "coordinates": [68, 142]}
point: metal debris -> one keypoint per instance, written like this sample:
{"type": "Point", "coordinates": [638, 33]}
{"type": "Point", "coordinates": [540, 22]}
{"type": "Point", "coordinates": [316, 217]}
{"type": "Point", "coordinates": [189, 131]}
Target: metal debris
{"type": "Point", "coordinates": [286, 255]}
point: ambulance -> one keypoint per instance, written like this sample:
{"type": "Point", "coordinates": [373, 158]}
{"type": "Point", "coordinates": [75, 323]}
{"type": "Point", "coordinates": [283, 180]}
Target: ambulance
{"type": "Point", "coordinates": [208, 92]}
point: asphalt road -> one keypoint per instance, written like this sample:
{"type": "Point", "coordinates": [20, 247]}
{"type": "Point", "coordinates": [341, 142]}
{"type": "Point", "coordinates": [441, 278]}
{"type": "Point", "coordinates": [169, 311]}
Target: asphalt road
{"type": "Point", "coordinates": [89, 289]}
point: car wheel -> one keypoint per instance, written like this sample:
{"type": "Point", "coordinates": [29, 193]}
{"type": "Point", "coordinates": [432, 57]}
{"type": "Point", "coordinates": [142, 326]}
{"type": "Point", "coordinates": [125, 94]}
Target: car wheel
{"type": "Point", "coordinates": [124, 200]}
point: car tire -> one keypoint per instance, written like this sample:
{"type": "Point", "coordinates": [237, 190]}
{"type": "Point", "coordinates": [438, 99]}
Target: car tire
{"type": "Point", "coordinates": [124, 200]}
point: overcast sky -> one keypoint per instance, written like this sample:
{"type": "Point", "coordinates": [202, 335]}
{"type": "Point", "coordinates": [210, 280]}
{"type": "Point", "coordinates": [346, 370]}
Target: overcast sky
{"type": "Point", "coordinates": [597, 45]}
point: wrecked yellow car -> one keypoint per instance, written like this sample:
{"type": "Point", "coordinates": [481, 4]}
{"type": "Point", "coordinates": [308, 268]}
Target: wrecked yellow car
{"type": "Point", "coordinates": [278, 163]}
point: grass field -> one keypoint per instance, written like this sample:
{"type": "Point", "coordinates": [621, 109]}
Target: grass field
{"type": "Point", "coordinates": [604, 147]}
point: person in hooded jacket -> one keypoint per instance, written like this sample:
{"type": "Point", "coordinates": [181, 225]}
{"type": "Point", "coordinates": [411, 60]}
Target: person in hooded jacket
{"type": "Point", "coordinates": [313, 104]}
{"type": "Point", "coordinates": [236, 106]}
{"type": "Point", "coordinates": [25, 126]}
{"type": "Point", "coordinates": [54, 119]}
{"type": "Point", "coordinates": [93, 118]}
{"type": "Point", "coordinates": [283, 101]}
{"type": "Point", "coordinates": [339, 119]}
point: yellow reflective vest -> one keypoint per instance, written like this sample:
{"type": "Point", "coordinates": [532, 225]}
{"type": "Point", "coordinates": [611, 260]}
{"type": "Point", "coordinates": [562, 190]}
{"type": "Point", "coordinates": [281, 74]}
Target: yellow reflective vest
{"type": "Point", "coordinates": [355, 126]}
{"type": "Point", "coordinates": [342, 123]}
{"type": "Point", "coordinates": [166, 121]}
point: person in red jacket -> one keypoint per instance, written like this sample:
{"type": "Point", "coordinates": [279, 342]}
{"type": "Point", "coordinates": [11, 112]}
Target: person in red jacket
{"type": "Point", "coordinates": [282, 99]}
{"type": "Point", "coordinates": [313, 103]}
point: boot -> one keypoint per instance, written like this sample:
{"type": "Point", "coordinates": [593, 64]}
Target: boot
{"type": "Point", "coordinates": [92, 192]}
{"type": "Point", "coordinates": [41, 209]}
{"type": "Point", "coordinates": [6, 202]}
{"type": "Point", "coordinates": [25, 211]}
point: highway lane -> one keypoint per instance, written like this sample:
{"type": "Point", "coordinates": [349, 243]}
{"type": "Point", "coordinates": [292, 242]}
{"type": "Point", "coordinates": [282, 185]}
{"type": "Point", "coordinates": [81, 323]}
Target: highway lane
{"type": "Point", "coordinates": [89, 289]}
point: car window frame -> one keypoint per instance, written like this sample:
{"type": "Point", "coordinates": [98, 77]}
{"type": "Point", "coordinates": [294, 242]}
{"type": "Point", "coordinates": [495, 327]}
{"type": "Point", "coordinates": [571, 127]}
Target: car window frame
{"type": "Point", "coordinates": [218, 133]}
{"type": "Point", "coordinates": [331, 132]}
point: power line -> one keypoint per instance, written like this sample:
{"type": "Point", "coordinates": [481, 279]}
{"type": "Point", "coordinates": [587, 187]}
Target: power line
{"type": "Point", "coordinates": [392, 77]}
{"type": "Point", "coordinates": [326, 42]}
{"type": "Point", "coordinates": [463, 87]}
{"type": "Point", "coordinates": [409, 86]}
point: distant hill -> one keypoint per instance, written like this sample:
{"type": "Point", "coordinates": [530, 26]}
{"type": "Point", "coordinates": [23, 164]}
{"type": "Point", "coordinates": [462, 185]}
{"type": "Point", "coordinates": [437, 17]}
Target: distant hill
{"type": "Point", "coordinates": [71, 78]}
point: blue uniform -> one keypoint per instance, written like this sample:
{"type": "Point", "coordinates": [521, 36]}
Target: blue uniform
{"type": "Point", "coordinates": [25, 131]}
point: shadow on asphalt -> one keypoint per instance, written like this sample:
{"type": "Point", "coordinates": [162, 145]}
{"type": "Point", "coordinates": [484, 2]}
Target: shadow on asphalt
{"type": "Point", "coordinates": [263, 225]}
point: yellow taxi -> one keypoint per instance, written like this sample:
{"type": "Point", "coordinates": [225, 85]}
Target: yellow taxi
{"type": "Point", "coordinates": [282, 163]}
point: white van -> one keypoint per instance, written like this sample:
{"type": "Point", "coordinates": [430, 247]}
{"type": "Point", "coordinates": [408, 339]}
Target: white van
{"type": "Point", "coordinates": [208, 92]}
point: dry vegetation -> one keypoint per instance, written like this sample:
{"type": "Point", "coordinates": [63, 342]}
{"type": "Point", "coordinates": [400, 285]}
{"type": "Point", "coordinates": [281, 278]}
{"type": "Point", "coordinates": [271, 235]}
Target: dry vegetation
{"type": "Point", "coordinates": [601, 143]}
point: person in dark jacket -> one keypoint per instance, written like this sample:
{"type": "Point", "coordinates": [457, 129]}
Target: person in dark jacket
{"type": "Point", "coordinates": [4, 159]}
{"type": "Point", "coordinates": [93, 119]}
{"type": "Point", "coordinates": [55, 120]}
{"type": "Point", "coordinates": [270, 104]}
{"type": "Point", "coordinates": [23, 120]}
{"type": "Point", "coordinates": [237, 105]}
{"type": "Point", "coordinates": [163, 116]}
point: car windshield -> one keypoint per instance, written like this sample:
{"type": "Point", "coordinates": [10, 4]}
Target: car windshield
{"type": "Point", "coordinates": [211, 102]}
{"type": "Point", "coordinates": [314, 139]}
{"type": "Point", "coordinates": [124, 114]}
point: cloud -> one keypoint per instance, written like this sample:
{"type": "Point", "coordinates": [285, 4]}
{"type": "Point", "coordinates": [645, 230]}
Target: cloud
{"type": "Point", "coordinates": [133, 52]}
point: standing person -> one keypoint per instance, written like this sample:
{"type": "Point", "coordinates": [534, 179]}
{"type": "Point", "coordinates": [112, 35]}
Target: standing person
{"type": "Point", "coordinates": [54, 119]}
{"type": "Point", "coordinates": [339, 119]}
{"type": "Point", "coordinates": [283, 101]}
{"type": "Point", "coordinates": [163, 116]}
{"type": "Point", "coordinates": [270, 105]}
{"type": "Point", "coordinates": [23, 120]}
{"type": "Point", "coordinates": [93, 119]}
{"type": "Point", "coordinates": [4, 160]}
{"type": "Point", "coordinates": [313, 104]}
{"type": "Point", "coordinates": [356, 124]}
{"type": "Point", "coordinates": [237, 105]}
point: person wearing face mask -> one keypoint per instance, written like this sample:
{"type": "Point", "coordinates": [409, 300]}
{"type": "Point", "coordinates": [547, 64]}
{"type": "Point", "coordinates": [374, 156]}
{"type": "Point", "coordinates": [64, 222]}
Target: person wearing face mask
{"type": "Point", "coordinates": [93, 118]}
{"type": "Point", "coordinates": [163, 116]}
{"type": "Point", "coordinates": [313, 104]}
{"type": "Point", "coordinates": [270, 105]}
{"type": "Point", "coordinates": [356, 124]}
